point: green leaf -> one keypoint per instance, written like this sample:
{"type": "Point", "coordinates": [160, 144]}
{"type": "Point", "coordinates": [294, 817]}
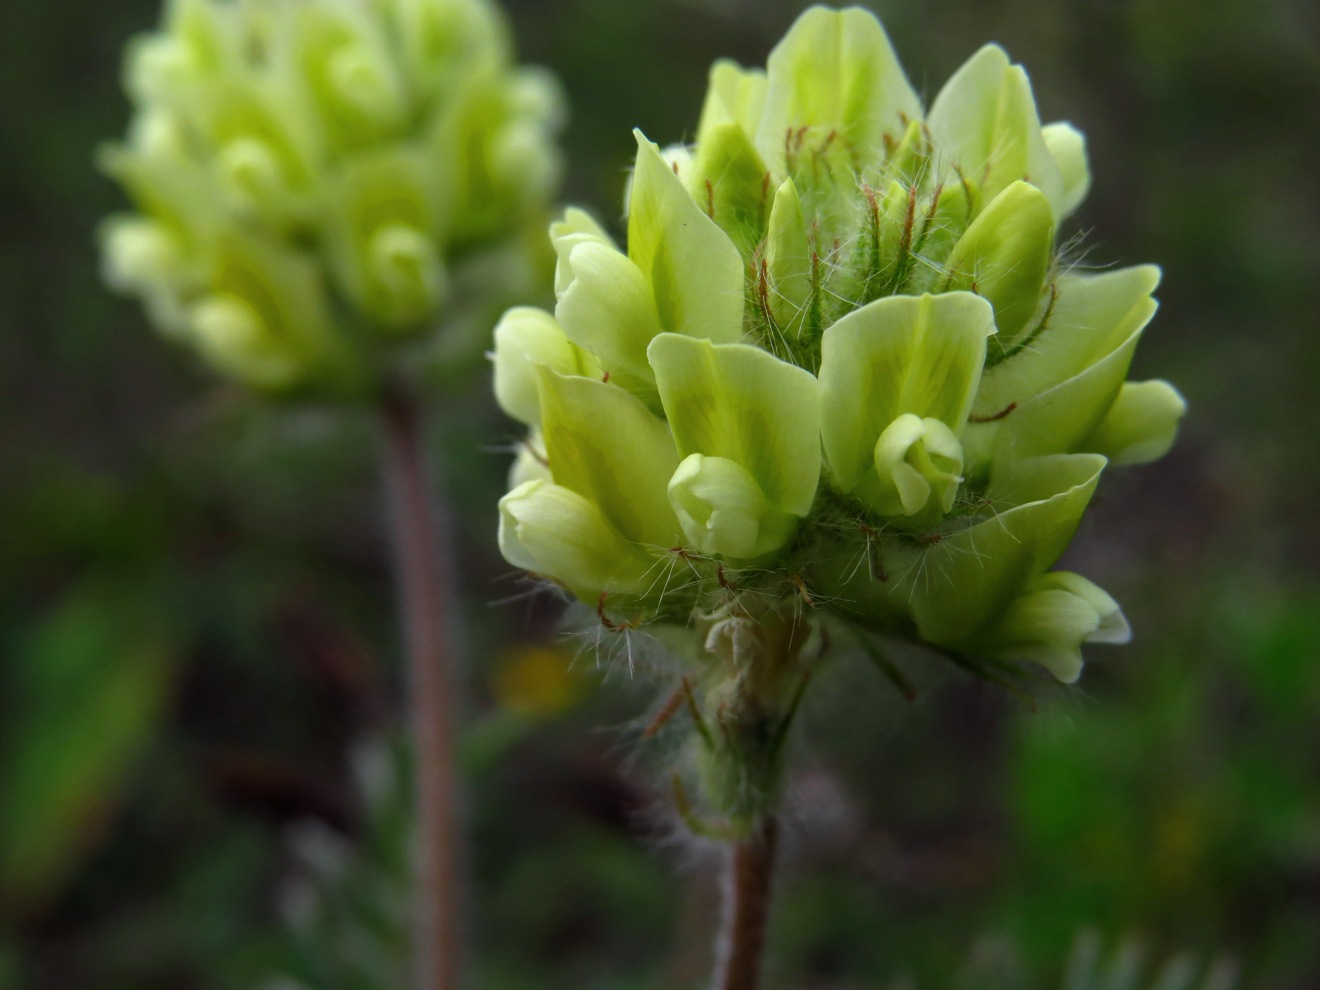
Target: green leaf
{"type": "Point", "coordinates": [692, 267]}
{"type": "Point", "coordinates": [742, 403]}
{"type": "Point", "coordinates": [604, 444]}
{"type": "Point", "coordinates": [82, 700]}
{"type": "Point", "coordinates": [901, 354]}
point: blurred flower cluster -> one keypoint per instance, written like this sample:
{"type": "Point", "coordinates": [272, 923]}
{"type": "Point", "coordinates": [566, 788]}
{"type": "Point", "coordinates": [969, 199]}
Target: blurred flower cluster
{"type": "Point", "coordinates": [318, 180]}
{"type": "Point", "coordinates": [843, 368]}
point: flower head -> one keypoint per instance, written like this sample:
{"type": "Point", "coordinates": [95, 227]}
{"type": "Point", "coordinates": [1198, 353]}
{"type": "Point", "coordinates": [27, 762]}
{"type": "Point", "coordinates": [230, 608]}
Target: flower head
{"type": "Point", "coordinates": [315, 182]}
{"type": "Point", "coordinates": [841, 364]}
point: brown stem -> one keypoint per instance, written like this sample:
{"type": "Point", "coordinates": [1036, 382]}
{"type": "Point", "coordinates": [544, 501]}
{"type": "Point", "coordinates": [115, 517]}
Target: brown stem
{"type": "Point", "coordinates": [746, 908]}
{"type": "Point", "coordinates": [425, 586]}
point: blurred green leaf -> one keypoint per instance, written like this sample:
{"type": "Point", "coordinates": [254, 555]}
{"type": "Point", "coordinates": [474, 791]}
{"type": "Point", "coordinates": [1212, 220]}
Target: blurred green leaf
{"type": "Point", "coordinates": [84, 693]}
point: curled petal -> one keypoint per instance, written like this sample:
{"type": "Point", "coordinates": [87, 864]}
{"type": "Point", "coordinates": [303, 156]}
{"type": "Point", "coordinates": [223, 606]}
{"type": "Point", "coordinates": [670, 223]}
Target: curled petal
{"type": "Point", "coordinates": [550, 530]}
{"type": "Point", "coordinates": [724, 511]}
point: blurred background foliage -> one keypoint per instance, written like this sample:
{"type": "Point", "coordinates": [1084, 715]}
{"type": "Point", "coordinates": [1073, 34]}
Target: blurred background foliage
{"type": "Point", "coordinates": [198, 671]}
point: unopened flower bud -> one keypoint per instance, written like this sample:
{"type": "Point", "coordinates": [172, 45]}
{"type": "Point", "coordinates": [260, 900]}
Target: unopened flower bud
{"type": "Point", "coordinates": [723, 510]}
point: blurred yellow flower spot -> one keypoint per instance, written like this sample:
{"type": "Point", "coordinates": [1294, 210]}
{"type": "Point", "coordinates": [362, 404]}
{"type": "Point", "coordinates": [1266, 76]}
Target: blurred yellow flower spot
{"type": "Point", "coordinates": [537, 681]}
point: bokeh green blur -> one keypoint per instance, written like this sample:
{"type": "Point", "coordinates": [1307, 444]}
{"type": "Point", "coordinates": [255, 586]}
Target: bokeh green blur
{"type": "Point", "coordinates": [199, 672]}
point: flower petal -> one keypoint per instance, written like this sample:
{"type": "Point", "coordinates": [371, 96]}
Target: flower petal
{"type": "Point", "coordinates": [1049, 622]}
{"type": "Point", "coordinates": [692, 267]}
{"type": "Point", "coordinates": [1061, 387]}
{"type": "Point", "coordinates": [734, 96]}
{"type": "Point", "coordinates": [525, 338]}
{"type": "Point", "coordinates": [573, 228]}
{"type": "Point", "coordinates": [1068, 147]}
{"type": "Point", "coordinates": [742, 403]}
{"type": "Point", "coordinates": [961, 583]}
{"type": "Point", "coordinates": [608, 311]}
{"type": "Point", "coordinates": [835, 72]}
{"type": "Point", "coordinates": [603, 443]}
{"type": "Point", "coordinates": [724, 511]}
{"type": "Point", "coordinates": [1141, 424]}
{"type": "Point", "coordinates": [985, 121]}
{"type": "Point", "coordinates": [550, 530]}
{"type": "Point", "coordinates": [901, 354]}
{"type": "Point", "coordinates": [1004, 257]}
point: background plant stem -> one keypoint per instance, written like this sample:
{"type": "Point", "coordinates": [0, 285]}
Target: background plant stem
{"type": "Point", "coordinates": [746, 907]}
{"type": "Point", "coordinates": [428, 607]}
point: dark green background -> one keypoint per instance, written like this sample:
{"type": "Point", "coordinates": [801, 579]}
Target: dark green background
{"type": "Point", "coordinates": [196, 623]}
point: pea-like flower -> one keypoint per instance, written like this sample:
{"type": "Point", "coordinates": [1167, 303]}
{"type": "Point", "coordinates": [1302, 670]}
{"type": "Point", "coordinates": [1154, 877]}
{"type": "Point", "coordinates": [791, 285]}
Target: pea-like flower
{"type": "Point", "coordinates": [318, 184]}
{"type": "Point", "coordinates": [841, 373]}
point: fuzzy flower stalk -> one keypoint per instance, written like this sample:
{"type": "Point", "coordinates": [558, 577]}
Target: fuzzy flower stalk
{"type": "Point", "coordinates": [333, 200]}
{"type": "Point", "coordinates": [840, 377]}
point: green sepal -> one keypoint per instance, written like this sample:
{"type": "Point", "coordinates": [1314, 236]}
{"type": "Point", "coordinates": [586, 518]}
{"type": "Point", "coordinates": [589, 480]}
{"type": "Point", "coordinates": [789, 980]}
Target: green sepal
{"type": "Point", "coordinates": [1141, 425]}
{"type": "Point", "coordinates": [910, 159]}
{"type": "Point", "coordinates": [1005, 257]}
{"type": "Point", "coordinates": [834, 73]}
{"type": "Point", "coordinates": [739, 402]}
{"type": "Point", "coordinates": [603, 443]}
{"type": "Point", "coordinates": [724, 511]}
{"type": "Point", "coordinates": [901, 354]}
{"type": "Point", "coordinates": [941, 228]}
{"type": "Point", "coordinates": [730, 180]}
{"type": "Point", "coordinates": [693, 269]}
{"type": "Point", "coordinates": [984, 123]}
{"type": "Point", "coordinates": [550, 530]}
{"type": "Point", "coordinates": [788, 263]}
{"type": "Point", "coordinates": [1056, 613]}
{"type": "Point", "coordinates": [527, 338]}
{"type": "Point", "coordinates": [1058, 390]}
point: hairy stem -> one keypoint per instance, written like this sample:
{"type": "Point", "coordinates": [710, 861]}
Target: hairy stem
{"type": "Point", "coordinates": [425, 587]}
{"type": "Point", "coordinates": [746, 907]}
